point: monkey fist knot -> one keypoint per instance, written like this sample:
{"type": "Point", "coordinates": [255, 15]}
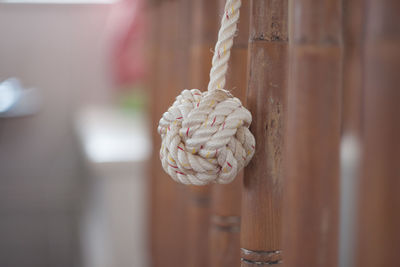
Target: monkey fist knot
{"type": "Point", "coordinates": [205, 137]}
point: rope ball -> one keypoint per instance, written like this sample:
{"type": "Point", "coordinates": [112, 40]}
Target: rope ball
{"type": "Point", "coordinates": [205, 135]}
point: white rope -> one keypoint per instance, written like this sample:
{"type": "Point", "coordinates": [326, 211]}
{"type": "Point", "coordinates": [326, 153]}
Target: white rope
{"type": "Point", "coordinates": [224, 44]}
{"type": "Point", "coordinates": [205, 135]}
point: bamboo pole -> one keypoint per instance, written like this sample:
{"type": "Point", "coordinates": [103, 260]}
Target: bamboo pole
{"type": "Point", "coordinates": [379, 233]}
{"type": "Point", "coordinates": [167, 228]}
{"type": "Point", "coordinates": [353, 20]}
{"type": "Point", "coordinates": [226, 199]}
{"type": "Point", "coordinates": [204, 28]}
{"type": "Point", "coordinates": [262, 188]}
{"type": "Point", "coordinates": [312, 134]}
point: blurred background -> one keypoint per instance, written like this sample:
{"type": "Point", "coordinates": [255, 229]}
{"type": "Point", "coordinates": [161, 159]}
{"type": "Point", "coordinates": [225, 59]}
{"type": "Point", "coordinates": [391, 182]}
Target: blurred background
{"type": "Point", "coordinates": [83, 84]}
{"type": "Point", "coordinates": [71, 103]}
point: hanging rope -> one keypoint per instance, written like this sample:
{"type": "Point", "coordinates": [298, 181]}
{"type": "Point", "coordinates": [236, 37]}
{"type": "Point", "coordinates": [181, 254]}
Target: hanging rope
{"type": "Point", "coordinates": [224, 44]}
{"type": "Point", "coordinates": [205, 135]}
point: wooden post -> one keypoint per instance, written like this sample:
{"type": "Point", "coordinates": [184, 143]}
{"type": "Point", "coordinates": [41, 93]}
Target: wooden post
{"type": "Point", "coordinates": [226, 199]}
{"type": "Point", "coordinates": [167, 228]}
{"type": "Point", "coordinates": [205, 23]}
{"type": "Point", "coordinates": [262, 189]}
{"type": "Point", "coordinates": [379, 220]}
{"type": "Point", "coordinates": [313, 134]}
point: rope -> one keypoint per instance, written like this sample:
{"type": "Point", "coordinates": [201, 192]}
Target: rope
{"type": "Point", "coordinates": [205, 135]}
{"type": "Point", "coordinates": [224, 44]}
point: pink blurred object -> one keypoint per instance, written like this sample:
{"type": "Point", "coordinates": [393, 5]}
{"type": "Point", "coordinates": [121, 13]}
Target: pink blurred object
{"type": "Point", "coordinates": [128, 22]}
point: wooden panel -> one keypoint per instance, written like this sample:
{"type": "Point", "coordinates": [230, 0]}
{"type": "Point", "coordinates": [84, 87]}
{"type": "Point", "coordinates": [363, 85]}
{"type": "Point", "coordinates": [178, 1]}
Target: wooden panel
{"type": "Point", "coordinates": [262, 190]}
{"type": "Point", "coordinates": [312, 134]}
{"type": "Point", "coordinates": [379, 232]}
{"type": "Point", "coordinates": [226, 199]}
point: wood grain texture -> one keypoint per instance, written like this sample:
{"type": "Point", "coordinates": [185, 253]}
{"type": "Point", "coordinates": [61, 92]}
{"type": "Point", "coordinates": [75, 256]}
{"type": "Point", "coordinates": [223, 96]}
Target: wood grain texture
{"type": "Point", "coordinates": [379, 220]}
{"type": "Point", "coordinates": [267, 83]}
{"type": "Point", "coordinates": [313, 134]}
{"type": "Point", "coordinates": [167, 228]}
{"type": "Point", "coordinates": [226, 199]}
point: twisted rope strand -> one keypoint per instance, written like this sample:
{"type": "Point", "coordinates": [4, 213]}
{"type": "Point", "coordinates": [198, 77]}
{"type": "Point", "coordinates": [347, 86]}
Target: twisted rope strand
{"type": "Point", "coordinates": [224, 44]}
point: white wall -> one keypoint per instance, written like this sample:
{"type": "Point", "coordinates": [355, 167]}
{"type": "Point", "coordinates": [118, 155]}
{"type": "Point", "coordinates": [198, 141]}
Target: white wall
{"type": "Point", "coordinates": [58, 49]}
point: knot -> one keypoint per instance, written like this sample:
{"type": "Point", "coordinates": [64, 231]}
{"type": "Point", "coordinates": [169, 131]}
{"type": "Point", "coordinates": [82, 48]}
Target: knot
{"type": "Point", "coordinates": [205, 137]}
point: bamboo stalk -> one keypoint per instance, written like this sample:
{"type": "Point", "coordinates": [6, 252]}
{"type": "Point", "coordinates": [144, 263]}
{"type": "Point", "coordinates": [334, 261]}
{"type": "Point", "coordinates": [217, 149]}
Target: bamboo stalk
{"type": "Point", "coordinates": [226, 199]}
{"type": "Point", "coordinates": [379, 203]}
{"type": "Point", "coordinates": [204, 28]}
{"type": "Point", "coordinates": [313, 134]}
{"type": "Point", "coordinates": [262, 188]}
{"type": "Point", "coordinates": [167, 228]}
{"type": "Point", "coordinates": [353, 20]}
